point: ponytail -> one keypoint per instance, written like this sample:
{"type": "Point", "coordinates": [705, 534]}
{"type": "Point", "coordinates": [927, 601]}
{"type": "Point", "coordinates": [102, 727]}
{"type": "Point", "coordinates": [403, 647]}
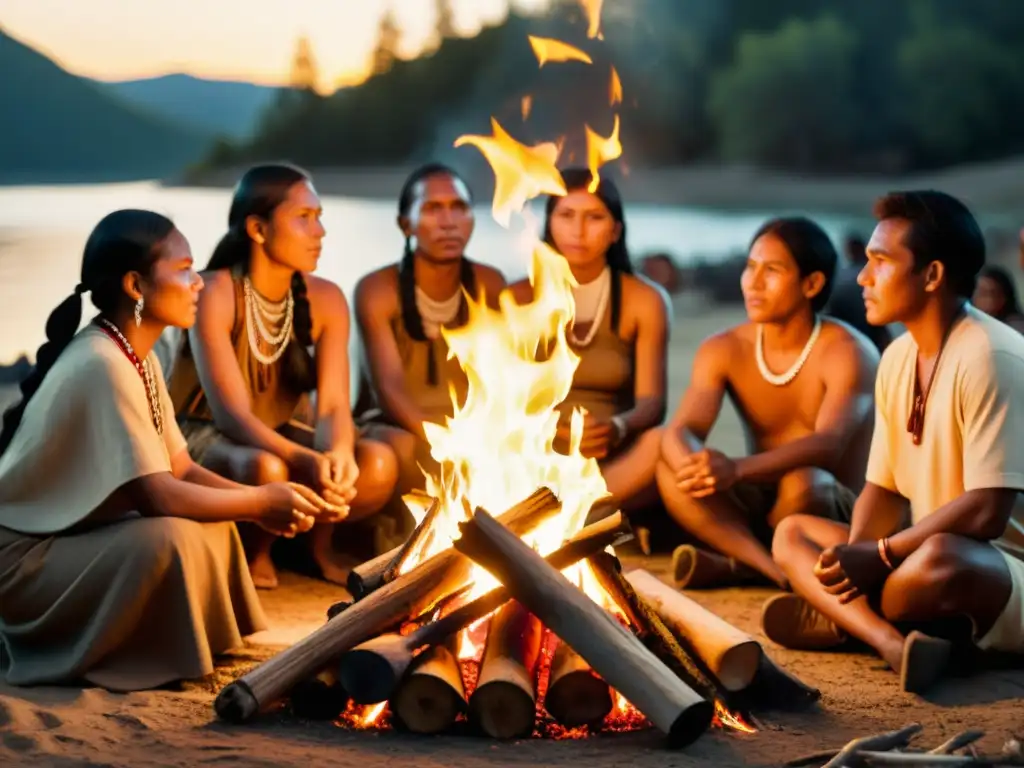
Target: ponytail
{"type": "Point", "coordinates": [619, 264]}
{"type": "Point", "coordinates": [233, 249]}
{"type": "Point", "coordinates": [302, 317]}
{"type": "Point", "coordinates": [61, 327]}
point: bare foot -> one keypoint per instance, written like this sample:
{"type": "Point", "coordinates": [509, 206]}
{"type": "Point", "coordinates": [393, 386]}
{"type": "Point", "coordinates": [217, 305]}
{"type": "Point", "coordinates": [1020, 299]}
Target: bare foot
{"type": "Point", "coordinates": [924, 660]}
{"type": "Point", "coordinates": [263, 572]}
{"type": "Point", "coordinates": [333, 567]}
{"type": "Point", "coordinates": [695, 568]}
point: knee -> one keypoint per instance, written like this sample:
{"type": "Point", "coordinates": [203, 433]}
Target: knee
{"type": "Point", "coordinates": [263, 468]}
{"type": "Point", "coordinates": [672, 444]}
{"type": "Point", "coordinates": [163, 541]}
{"type": "Point", "coordinates": [378, 468]}
{"type": "Point", "coordinates": [788, 535]}
{"type": "Point", "coordinates": [934, 574]}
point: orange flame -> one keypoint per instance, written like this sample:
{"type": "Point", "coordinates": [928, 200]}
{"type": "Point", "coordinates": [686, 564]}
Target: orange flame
{"type": "Point", "coordinates": [526, 104]}
{"type": "Point", "coordinates": [600, 151]}
{"type": "Point", "coordinates": [370, 715]}
{"type": "Point", "coordinates": [592, 8]}
{"type": "Point", "coordinates": [547, 49]}
{"type": "Point", "coordinates": [521, 173]}
{"type": "Point", "coordinates": [726, 719]}
{"type": "Point", "coordinates": [615, 89]}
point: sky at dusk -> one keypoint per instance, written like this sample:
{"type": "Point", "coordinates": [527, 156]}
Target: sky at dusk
{"type": "Point", "coordinates": [230, 39]}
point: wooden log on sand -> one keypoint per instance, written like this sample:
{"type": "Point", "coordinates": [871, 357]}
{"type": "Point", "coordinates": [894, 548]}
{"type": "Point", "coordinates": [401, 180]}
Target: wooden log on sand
{"type": "Point", "coordinates": [432, 695]}
{"type": "Point", "coordinates": [614, 652]}
{"type": "Point", "coordinates": [371, 672]}
{"type": "Point", "coordinates": [576, 695]}
{"type": "Point", "coordinates": [733, 655]}
{"type": "Point", "coordinates": [373, 574]}
{"type": "Point", "coordinates": [409, 595]}
{"type": "Point", "coordinates": [504, 703]}
{"type": "Point", "coordinates": [673, 650]}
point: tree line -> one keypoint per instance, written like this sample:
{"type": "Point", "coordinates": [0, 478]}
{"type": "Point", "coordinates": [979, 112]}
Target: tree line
{"type": "Point", "coordinates": [799, 85]}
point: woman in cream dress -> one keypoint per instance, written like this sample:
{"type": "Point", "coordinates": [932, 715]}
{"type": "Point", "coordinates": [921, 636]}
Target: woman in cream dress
{"type": "Point", "coordinates": [120, 564]}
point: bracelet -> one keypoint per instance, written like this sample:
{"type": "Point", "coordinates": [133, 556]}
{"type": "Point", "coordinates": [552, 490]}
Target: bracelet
{"type": "Point", "coordinates": [619, 424]}
{"type": "Point", "coordinates": [883, 552]}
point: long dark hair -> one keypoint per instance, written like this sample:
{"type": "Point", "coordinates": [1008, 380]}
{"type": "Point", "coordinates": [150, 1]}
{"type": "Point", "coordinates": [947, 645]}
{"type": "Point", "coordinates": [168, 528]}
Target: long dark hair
{"type": "Point", "coordinates": [123, 241]}
{"type": "Point", "coordinates": [258, 193]}
{"type": "Point", "coordinates": [811, 249]}
{"type": "Point", "coordinates": [999, 276]}
{"type": "Point", "coordinates": [411, 319]}
{"type": "Point", "coordinates": [617, 257]}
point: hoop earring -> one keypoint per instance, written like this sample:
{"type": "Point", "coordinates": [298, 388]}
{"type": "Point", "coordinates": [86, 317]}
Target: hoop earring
{"type": "Point", "coordinates": [138, 311]}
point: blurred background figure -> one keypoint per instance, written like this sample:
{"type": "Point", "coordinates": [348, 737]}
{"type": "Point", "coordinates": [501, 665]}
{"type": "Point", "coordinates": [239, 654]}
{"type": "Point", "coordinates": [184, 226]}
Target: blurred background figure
{"type": "Point", "coordinates": [996, 295]}
{"type": "Point", "coordinates": [847, 303]}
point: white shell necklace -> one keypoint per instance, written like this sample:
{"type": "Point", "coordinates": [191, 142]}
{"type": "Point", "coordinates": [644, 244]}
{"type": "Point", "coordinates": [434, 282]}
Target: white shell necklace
{"type": "Point", "coordinates": [434, 313]}
{"type": "Point", "coordinates": [782, 379]}
{"type": "Point", "coordinates": [591, 302]}
{"type": "Point", "coordinates": [259, 313]}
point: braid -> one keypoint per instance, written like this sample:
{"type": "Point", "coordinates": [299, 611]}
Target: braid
{"type": "Point", "coordinates": [302, 319]}
{"type": "Point", "coordinates": [619, 264]}
{"type": "Point", "coordinates": [61, 328]}
{"type": "Point", "coordinates": [407, 290]}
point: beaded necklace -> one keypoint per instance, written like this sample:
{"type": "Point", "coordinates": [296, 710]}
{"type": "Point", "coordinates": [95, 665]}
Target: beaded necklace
{"type": "Point", "coordinates": [142, 366]}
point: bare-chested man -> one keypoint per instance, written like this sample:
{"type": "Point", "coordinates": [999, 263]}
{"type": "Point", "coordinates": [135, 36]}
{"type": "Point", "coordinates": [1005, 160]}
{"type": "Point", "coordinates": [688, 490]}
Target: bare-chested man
{"type": "Point", "coordinates": [948, 443]}
{"type": "Point", "coordinates": [803, 387]}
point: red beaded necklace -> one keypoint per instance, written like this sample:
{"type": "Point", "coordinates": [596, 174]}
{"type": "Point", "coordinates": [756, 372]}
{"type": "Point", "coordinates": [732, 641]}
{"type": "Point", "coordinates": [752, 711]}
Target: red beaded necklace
{"type": "Point", "coordinates": [152, 396]}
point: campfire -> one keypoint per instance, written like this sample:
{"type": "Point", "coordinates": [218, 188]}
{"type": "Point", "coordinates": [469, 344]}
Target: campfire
{"type": "Point", "coordinates": [522, 623]}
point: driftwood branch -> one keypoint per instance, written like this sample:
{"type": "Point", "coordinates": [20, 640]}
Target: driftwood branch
{"type": "Point", "coordinates": [613, 652]}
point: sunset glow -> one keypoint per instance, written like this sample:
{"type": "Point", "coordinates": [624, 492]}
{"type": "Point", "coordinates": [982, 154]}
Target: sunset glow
{"type": "Point", "coordinates": [250, 40]}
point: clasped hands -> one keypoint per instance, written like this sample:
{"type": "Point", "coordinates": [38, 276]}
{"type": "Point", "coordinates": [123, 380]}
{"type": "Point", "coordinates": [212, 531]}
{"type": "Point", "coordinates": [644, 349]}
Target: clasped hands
{"type": "Point", "coordinates": [705, 472]}
{"type": "Point", "coordinates": [324, 488]}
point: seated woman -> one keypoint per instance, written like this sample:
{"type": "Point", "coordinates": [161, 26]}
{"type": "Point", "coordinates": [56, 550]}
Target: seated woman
{"type": "Point", "coordinates": [119, 561]}
{"type": "Point", "coordinates": [242, 379]}
{"type": "Point", "coordinates": [620, 333]}
{"type": "Point", "coordinates": [402, 307]}
{"type": "Point", "coordinates": [996, 295]}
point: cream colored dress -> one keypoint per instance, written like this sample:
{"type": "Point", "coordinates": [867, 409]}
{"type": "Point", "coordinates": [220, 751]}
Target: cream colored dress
{"type": "Point", "coordinates": [129, 604]}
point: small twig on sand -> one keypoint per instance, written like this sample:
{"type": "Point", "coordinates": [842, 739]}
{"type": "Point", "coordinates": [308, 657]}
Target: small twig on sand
{"type": "Point", "coordinates": [879, 742]}
{"type": "Point", "coordinates": [959, 741]}
{"type": "Point", "coordinates": [928, 760]}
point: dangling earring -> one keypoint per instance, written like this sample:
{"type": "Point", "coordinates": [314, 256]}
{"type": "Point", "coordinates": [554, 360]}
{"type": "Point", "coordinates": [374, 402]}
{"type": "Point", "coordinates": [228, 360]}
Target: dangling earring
{"type": "Point", "coordinates": [138, 311]}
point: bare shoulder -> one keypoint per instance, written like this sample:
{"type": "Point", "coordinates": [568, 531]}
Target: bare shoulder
{"type": "Point", "coordinates": [490, 279]}
{"type": "Point", "coordinates": [650, 299]}
{"type": "Point", "coordinates": [378, 291]}
{"type": "Point", "coordinates": [843, 347]}
{"type": "Point", "coordinates": [717, 350]}
{"type": "Point", "coordinates": [521, 291]}
{"type": "Point", "coordinates": [325, 294]}
{"type": "Point", "coordinates": [218, 288]}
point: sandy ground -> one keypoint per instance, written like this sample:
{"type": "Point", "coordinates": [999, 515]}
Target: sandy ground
{"type": "Point", "coordinates": [65, 727]}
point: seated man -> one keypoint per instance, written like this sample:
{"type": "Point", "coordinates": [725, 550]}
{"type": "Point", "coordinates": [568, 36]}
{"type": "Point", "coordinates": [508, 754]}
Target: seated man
{"type": "Point", "coordinates": [802, 386]}
{"type": "Point", "coordinates": [946, 443]}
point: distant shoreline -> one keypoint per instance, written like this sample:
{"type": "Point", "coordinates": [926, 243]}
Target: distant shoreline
{"type": "Point", "coordinates": [993, 189]}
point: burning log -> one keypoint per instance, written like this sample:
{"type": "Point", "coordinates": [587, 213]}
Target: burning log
{"type": "Point", "coordinates": [373, 574]}
{"type": "Point", "coordinates": [372, 671]}
{"type": "Point", "coordinates": [614, 653]}
{"type": "Point", "coordinates": [674, 651]}
{"type": "Point", "coordinates": [420, 538]}
{"type": "Point", "coordinates": [732, 655]}
{"type": "Point", "coordinates": [432, 695]}
{"type": "Point", "coordinates": [576, 695]}
{"type": "Point", "coordinates": [409, 595]}
{"type": "Point", "coordinates": [504, 703]}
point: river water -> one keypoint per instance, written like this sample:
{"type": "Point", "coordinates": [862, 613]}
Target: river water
{"type": "Point", "coordinates": [43, 230]}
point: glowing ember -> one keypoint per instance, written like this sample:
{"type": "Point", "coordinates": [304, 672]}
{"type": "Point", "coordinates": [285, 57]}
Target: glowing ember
{"type": "Point", "coordinates": [525, 105]}
{"type": "Point", "coordinates": [615, 89]}
{"type": "Point", "coordinates": [600, 151]}
{"type": "Point", "coordinates": [733, 721]}
{"type": "Point", "coordinates": [592, 8]}
{"type": "Point", "coordinates": [546, 49]}
{"type": "Point", "coordinates": [364, 717]}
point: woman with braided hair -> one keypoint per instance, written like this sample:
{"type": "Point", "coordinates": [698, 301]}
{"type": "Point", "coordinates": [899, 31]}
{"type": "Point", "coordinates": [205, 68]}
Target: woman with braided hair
{"type": "Point", "coordinates": [120, 563]}
{"type": "Point", "coordinates": [620, 332]}
{"type": "Point", "coordinates": [267, 335]}
{"type": "Point", "coordinates": [402, 307]}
